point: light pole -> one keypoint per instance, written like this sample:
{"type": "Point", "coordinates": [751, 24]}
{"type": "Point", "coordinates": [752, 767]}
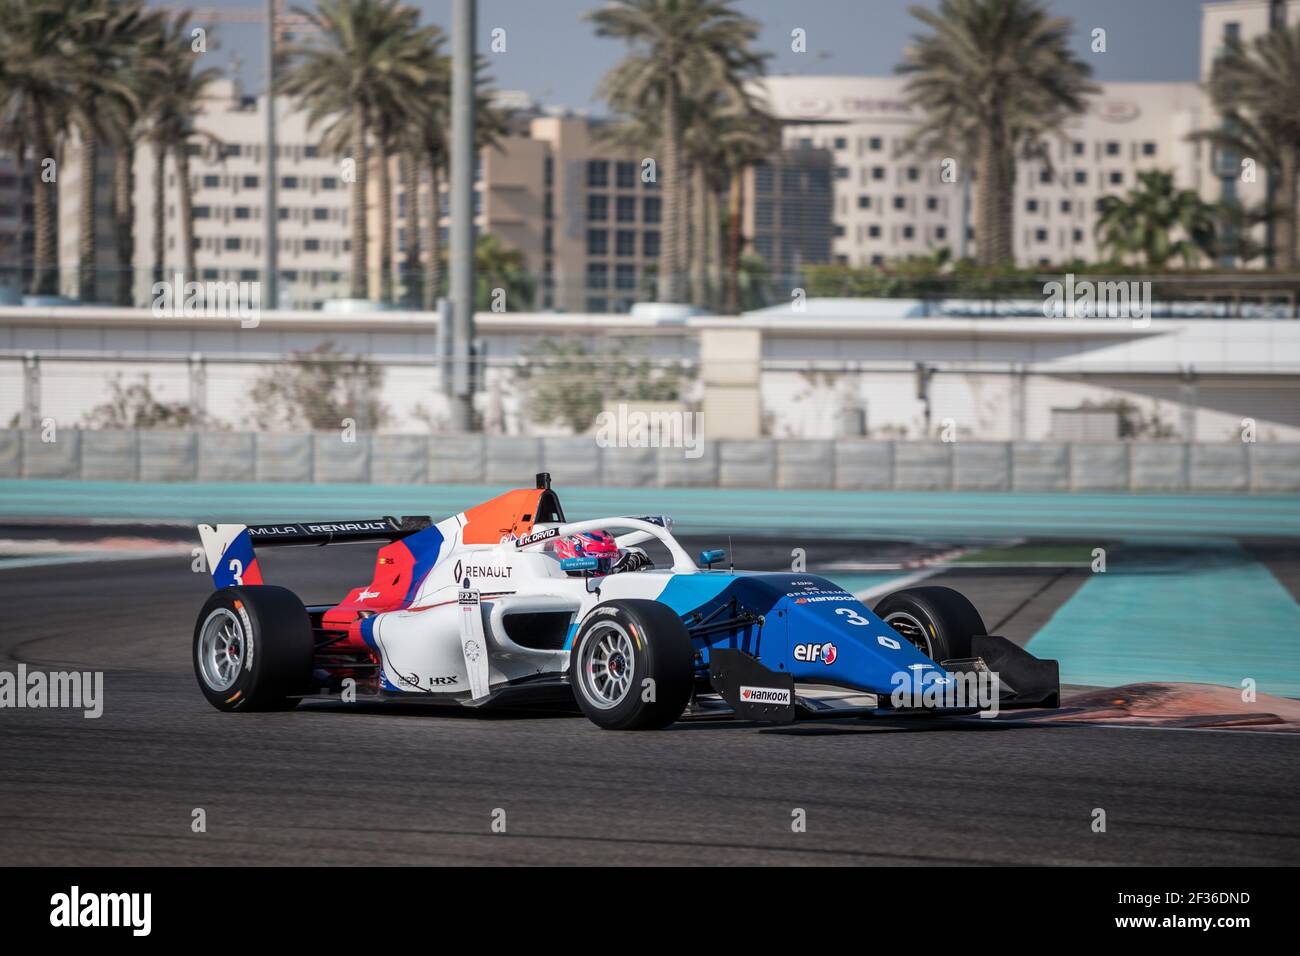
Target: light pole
{"type": "Point", "coordinates": [1277, 24]}
{"type": "Point", "coordinates": [271, 214]}
{"type": "Point", "coordinates": [463, 156]}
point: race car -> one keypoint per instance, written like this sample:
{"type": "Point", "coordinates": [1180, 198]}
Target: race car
{"type": "Point", "coordinates": [509, 603]}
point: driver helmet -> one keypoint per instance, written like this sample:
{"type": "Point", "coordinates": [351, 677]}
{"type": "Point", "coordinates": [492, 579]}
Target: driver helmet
{"type": "Point", "coordinates": [589, 544]}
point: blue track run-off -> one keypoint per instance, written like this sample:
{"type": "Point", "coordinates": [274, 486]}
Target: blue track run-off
{"type": "Point", "coordinates": [1209, 613]}
{"type": "Point", "coordinates": [921, 515]}
{"type": "Point", "coordinates": [1181, 599]}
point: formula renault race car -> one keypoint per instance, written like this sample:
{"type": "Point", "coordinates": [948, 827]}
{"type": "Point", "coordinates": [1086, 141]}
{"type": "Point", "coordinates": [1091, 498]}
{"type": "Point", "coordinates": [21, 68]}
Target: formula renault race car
{"type": "Point", "coordinates": [509, 603]}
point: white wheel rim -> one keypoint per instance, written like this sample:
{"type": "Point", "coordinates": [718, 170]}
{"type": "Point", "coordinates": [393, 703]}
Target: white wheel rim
{"type": "Point", "coordinates": [605, 665]}
{"type": "Point", "coordinates": [222, 650]}
{"type": "Point", "coordinates": [911, 630]}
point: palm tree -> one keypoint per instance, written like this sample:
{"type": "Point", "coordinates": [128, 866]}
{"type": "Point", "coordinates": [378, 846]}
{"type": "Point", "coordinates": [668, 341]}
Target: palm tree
{"type": "Point", "coordinates": [178, 88]}
{"type": "Point", "coordinates": [699, 153]}
{"type": "Point", "coordinates": [746, 136]}
{"type": "Point", "coordinates": [108, 35]}
{"type": "Point", "coordinates": [423, 135]}
{"type": "Point", "coordinates": [496, 267]}
{"type": "Point", "coordinates": [357, 76]}
{"type": "Point", "coordinates": [40, 69]}
{"type": "Point", "coordinates": [1142, 223]}
{"type": "Point", "coordinates": [994, 78]}
{"type": "Point", "coordinates": [1247, 86]}
{"type": "Point", "coordinates": [724, 135]}
{"type": "Point", "coordinates": [426, 134]}
{"type": "Point", "coordinates": [1235, 230]}
{"type": "Point", "coordinates": [145, 69]}
{"type": "Point", "coordinates": [727, 135]}
{"type": "Point", "coordinates": [678, 44]}
{"type": "Point", "coordinates": [753, 279]}
{"type": "Point", "coordinates": [409, 171]}
{"type": "Point", "coordinates": [391, 137]}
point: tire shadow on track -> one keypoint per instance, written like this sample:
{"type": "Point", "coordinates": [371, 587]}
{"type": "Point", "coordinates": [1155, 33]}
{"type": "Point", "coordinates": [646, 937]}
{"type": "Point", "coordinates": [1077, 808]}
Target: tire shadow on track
{"type": "Point", "coordinates": [870, 725]}
{"type": "Point", "coordinates": [436, 711]}
{"type": "Point", "coordinates": [897, 727]}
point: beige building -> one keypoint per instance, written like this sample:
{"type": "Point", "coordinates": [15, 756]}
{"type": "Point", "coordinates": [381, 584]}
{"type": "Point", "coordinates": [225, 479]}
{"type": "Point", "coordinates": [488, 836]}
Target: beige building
{"type": "Point", "coordinates": [584, 219]}
{"type": "Point", "coordinates": [890, 203]}
{"type": "Point", "coordinates": [588, 223]}
{"type": "Point", "coordinates": [787, 215]}
{"type": "Point", "coordinates": [16, 227]}
{"type": "Point", "coordinates": [68, 174]}
{"type": "Point", "coordinates": [1228, 177]}
{"type": "Point", "coordinates": [227, 166]}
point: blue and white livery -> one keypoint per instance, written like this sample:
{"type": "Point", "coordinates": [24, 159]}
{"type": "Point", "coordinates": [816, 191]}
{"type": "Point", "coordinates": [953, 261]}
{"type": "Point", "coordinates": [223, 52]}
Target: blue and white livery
{"type": "Point", "coordinates": [479, 610]}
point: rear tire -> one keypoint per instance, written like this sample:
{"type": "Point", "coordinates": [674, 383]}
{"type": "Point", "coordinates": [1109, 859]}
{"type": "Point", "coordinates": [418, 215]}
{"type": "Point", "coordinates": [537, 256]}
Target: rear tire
{"type": "Point", "coordinates": [938, 621]}
{"type": "Point", "coordinates": [619, 647]}
{"type": "Point", "coordinates": [253, 648]}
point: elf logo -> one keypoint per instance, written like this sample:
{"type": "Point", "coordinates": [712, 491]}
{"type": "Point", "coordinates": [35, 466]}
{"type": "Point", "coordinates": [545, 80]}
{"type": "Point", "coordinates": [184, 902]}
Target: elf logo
{"type": "Point", "coordinates": [810, 653]}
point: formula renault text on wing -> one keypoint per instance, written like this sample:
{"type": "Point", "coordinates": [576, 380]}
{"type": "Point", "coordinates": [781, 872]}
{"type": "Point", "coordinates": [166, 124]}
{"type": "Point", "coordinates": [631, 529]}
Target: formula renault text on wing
{"type": "Point", "coordinates": [496, 605]}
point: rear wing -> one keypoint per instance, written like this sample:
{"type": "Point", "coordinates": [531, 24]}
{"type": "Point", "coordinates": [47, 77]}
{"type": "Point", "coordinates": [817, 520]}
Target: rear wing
{"type": "Point", "coordinates": [231, 554]}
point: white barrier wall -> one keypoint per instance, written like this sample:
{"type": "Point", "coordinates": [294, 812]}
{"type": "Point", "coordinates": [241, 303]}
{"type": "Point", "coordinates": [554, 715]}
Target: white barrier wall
{"type": "Point", "coordinates": [475, 459]}
{"type": "Point", "coordinates": [800, 376]}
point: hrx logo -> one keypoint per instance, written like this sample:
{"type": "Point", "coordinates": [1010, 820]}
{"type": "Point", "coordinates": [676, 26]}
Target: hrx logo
{"type": "Point", "coordinates": [810, 653]}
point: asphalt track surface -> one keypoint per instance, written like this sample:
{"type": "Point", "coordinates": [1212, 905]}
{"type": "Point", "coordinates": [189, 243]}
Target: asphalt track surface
{"type": "Point", "coordinates": [414, 785]}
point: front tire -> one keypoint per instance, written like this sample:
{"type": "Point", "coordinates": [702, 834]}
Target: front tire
{"type": "Point", "coordinates": [253, 648]}
{"type": "Point", "coordinates": [938, 621]}
{"type": "Point", "coordinates": [628, 651]}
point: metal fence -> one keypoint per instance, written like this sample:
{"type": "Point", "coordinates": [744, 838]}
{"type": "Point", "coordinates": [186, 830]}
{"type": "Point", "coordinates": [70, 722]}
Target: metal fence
{"type": "Point", "coordinates": [131, 455]}
{"type": "Point", "coordinates": [566, 390]}
{"type": "Point", "coordinates": [615, 287]}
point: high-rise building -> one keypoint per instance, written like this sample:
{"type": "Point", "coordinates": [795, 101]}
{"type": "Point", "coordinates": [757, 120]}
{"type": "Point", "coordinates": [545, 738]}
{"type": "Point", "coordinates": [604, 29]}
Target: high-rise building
{"type": "Point", "coordinates": [582, 215]}
{"type": "Point", "coordinates": [17, 235]}
{"type": "Point", "coordinates": [586, 217]}
{"type": "Point", "coordinates": [226, 170]}
{"type": "Point", "coordinates": [104, 265]}
{"type": "Point", "coordinates": [787, 218]}
{"type": "Point", "coordinates": [602, 219]}
{"type": "Point", "coordinates": [890, 202]}
{"type": "Point", "coordinates": [1229, 177]}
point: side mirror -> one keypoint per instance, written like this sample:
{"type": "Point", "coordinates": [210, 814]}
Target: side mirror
{"type": "Point", "coordinates": [709, 558]}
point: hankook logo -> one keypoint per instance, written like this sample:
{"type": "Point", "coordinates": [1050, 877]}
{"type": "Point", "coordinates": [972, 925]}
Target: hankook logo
{"type": "Point", "coordinates": [765, 695]}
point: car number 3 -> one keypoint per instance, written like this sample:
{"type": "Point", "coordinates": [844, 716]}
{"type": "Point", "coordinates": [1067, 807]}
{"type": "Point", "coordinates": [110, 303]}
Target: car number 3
{"type": "Point", "coordinates": [853, 616]}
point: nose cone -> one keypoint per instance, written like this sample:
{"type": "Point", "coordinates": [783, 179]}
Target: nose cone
{"type": "Point", "coordinates": [835, 639]}
{"type": "Point", "coordinates": [812, 629]}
